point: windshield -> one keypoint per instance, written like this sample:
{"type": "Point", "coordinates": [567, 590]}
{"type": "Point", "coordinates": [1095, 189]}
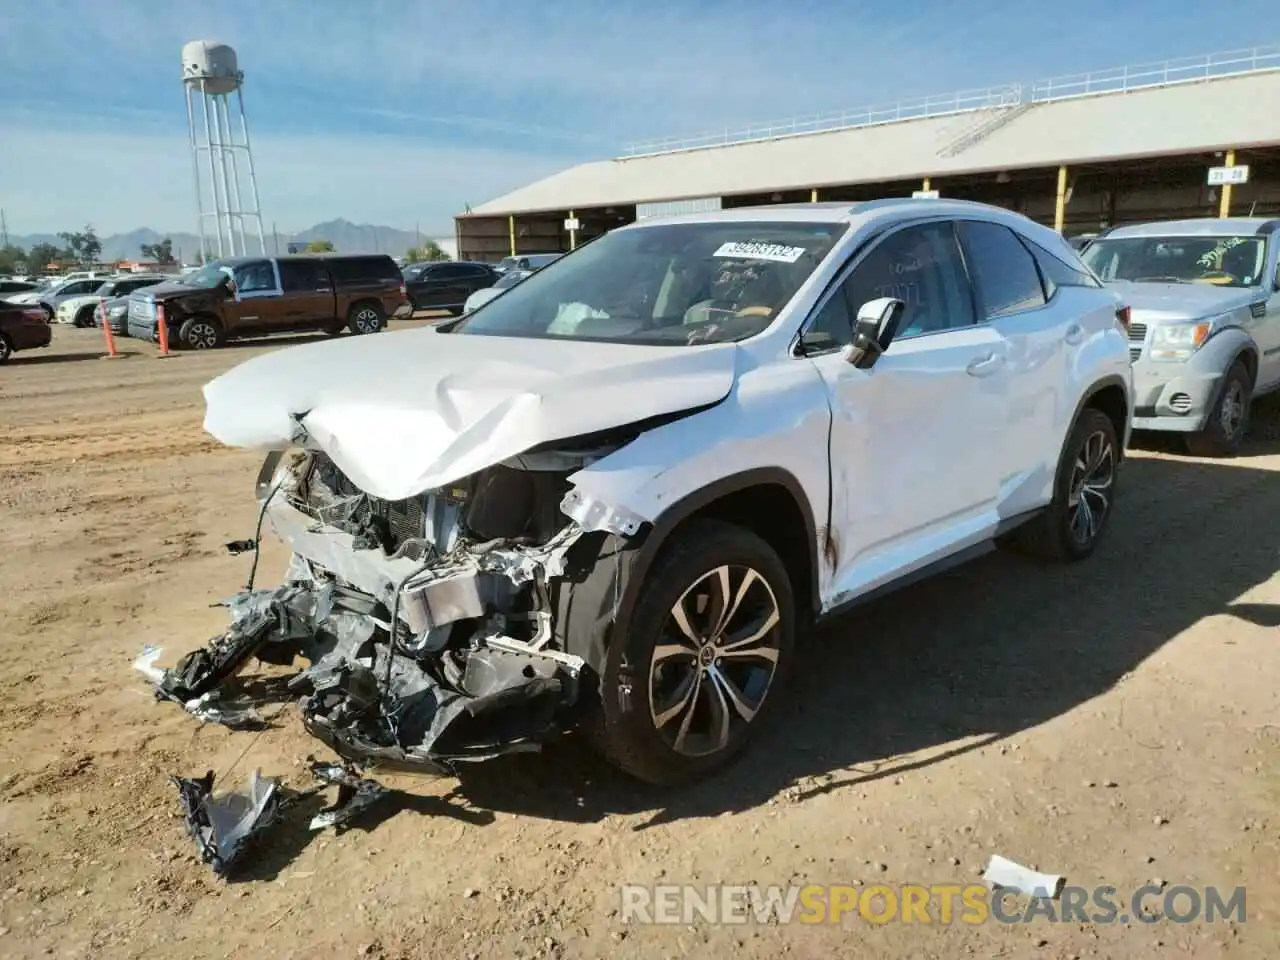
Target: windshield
{"type": "Point", "coordinates": [413, 271]}
{"type": "Point", "coordinates": [674, 284]}
{"type": "Point", "coordinates": [208, 276]}
{"type": "Point", "coordinates": [1223, 261]}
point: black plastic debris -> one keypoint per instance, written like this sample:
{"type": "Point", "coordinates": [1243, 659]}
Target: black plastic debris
{"type": "Point", "coordinates": [355, 795]}
{"type": "Point", "coordinates": [237, 547]}
{"type": "Point", "coordinates": [223, 826]}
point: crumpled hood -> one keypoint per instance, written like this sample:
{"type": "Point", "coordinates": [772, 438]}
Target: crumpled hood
{"type": "Point", "coordinates": [1154, 302]}
{"type": "Point", "coordinates": [400, 413]}
{"type": "Point", "coordinates": [167, 289]}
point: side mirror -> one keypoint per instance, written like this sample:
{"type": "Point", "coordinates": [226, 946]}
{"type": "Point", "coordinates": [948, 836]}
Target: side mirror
{"type": "Point", "coordinates": [873, 331]}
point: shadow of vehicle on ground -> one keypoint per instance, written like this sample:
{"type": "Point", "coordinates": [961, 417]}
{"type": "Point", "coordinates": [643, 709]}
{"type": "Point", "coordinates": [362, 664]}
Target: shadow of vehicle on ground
{"type": "Point", "coordinates": [973, 656]}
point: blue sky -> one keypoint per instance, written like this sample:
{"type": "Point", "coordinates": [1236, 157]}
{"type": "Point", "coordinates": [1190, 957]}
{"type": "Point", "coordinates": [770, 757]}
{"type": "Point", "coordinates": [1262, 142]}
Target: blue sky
{"type": "Point", "coordinates": [397, 112]}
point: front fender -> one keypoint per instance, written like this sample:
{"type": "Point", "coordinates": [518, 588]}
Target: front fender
{"type": "Point", "coordinates": [775, 418]}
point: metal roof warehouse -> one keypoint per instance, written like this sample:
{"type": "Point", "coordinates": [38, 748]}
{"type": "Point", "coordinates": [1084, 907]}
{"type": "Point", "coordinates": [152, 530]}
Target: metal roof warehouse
{"type": "Point", "coordinates": [1080, 153]}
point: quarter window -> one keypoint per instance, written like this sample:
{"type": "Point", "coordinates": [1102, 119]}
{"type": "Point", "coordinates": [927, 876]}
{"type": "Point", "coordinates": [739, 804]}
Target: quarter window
{"type": "Point", "coordinates": [1002, 268]}
{"type": "Point", "coordinates": [922, 267]}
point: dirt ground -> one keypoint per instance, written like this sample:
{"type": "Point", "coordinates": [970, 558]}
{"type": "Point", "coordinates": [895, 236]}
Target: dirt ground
{"type": "Point", "coordinates": [1115, 722]}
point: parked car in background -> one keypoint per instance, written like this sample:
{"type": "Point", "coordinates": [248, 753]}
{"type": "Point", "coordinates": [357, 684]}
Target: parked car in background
{"type": "Point", "coordinates": [619, 494]}
{"type": "Point", "coordinates": [446, 284]}
{"type": "Point", "coordinates": [10, 286]}
{"type": "Point", "coordinates": [1081, 241]}
{"type": "Point", "coordinates": [253, 296]}
{"type": "Point", "coordinates": [505, 282]}
{"type": "Point", "coordinates": [23, 326]}
{"type": "Point", "coordinates": [49, 297]}
{"type": "Point", "coordinates": [526, 261]}
{"type": "Point", "coordinates": [79, 310]}
{"type": "Point", "coordinates": [1205, 324]}
{"type": "Point", "coordinates": [116, 311]}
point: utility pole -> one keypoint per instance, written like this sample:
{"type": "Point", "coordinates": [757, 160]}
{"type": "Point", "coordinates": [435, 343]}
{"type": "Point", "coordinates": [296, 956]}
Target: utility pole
{"type": "Point", "coordinates": [4, 229]}
{"type": "Point", "coordinates": [275, 237]}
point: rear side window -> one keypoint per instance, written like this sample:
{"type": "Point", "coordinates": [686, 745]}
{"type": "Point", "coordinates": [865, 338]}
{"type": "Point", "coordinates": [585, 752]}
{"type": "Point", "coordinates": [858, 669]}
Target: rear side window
{"type": "Point", "coordinates": [364, 269]}
{"type": "Point", "coordinates": [1057, 272]}
{"type": "Point", "coordinates": [453, 271]}
{"type": "Point", "coordinates": [301, 276]}
{"type": "Point", "coordinates": [1003, 270]}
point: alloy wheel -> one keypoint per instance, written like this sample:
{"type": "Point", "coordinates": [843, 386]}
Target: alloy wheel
{"type": "Point", "coordinates": [203, 336]}
{"type": "Point", "coordinates": [1231, 410]}
{"type": "Point", "coordinates": [714, 661]}
{"type": "Point", "coordinates": [1091, 478]}
{"type": "Point", "coordinates": [5, 350]}
{"type": "Point", "coordinates": [367, 320]}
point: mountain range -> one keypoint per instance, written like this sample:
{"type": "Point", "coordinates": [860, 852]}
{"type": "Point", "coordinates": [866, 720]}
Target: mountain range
{"type": "Point", "coordinates": [345, 236]}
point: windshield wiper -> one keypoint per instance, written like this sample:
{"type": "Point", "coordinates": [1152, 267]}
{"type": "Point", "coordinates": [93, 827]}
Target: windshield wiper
{"type": "Point", "coordinates": [1159, 280]}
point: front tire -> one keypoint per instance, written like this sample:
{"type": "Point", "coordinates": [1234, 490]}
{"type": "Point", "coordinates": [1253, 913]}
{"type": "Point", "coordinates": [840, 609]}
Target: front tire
{"type": "Point", "coordinates": [1228, 420]}
{"type": "Point", "coordinates": [200, 333]}
{"type": "Point", "coordinates": [1083, 492]}
{"type": "Point", "coordinates": [365, 318]}
{"type": "Point", "coordinates": [701, 664]}
{"type": "Point", "coordinates": [85, 317]}
{"type": "Point", "coordinates": [6, 349]}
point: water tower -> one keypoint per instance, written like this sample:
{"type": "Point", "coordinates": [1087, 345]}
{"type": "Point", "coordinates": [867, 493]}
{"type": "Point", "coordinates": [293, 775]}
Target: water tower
{"type": "Point", "coordinates": [220, 154]}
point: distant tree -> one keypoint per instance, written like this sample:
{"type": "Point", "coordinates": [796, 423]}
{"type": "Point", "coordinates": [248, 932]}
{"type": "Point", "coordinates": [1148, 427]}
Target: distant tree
{"type": "Point", "coordinates": [161, 253]}
{"type": "Point", "coordinates": [84, 247]}
{"type": "Point", "coordinates": [428, 251]}
{"type": "Point", "coordinates": [41, 255]}
{"type": "Point", "coordinates": [320, 246]}
{"type": "Point", "coordinates": [12, 259]}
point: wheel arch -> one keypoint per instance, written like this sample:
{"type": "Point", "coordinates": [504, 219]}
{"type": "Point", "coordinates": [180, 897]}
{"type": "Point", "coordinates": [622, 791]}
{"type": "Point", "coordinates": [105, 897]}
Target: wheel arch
{"type": "Point", "coordinates": [604, 573]}
{"type": "Point", "coordinates": [1110, 395]}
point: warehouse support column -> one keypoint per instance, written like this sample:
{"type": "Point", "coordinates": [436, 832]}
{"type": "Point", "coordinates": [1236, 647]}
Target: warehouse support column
{"type": "Point", "coordinates": [1060, 209]}
{"type": "Point", "coordinates": [573, 233]}
{"type": "Point", "coordinates": [511, 232]}
{"type": "Point", "coordinates": [1224, 204]}
{"type": "Point", "coordinates": [813, 195]}
{"type": "Point", "coordinates": [926, 185]}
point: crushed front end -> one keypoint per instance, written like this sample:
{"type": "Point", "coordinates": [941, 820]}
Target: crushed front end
{"type": "Point", "coordinates": [426, 623]}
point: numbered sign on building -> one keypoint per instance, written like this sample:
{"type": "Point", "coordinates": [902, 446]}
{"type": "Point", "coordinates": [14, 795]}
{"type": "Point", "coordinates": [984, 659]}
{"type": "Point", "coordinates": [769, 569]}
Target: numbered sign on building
{"type": "Point", "coordinates": [1221, 176]}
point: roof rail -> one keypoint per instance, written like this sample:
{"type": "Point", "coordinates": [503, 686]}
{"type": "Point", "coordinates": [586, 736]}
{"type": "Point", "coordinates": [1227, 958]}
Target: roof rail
{"type": "Point", "coordinates": [1117, 80]}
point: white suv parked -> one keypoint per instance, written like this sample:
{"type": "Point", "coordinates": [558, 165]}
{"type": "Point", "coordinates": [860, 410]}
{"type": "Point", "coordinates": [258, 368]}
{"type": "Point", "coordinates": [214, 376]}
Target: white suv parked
{"type": "Point", "coordinates": [616, 494]}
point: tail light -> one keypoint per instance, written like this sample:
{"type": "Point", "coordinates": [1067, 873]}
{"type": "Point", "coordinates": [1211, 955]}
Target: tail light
{"type": "Point", "coordinates": [1122, 317]}
{"type": "Point", "coordinates": [35, 316]}
{"type": "Point", "coordinates": [404, 290]}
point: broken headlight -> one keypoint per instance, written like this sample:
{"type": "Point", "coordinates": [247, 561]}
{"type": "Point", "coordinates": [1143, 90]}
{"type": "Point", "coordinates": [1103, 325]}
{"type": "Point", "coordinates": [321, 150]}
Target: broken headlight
{"type": "Point", "coordinates": [279, 470]}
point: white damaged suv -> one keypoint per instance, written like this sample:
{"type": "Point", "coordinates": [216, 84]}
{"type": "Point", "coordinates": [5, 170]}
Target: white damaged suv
{"type": "Point", "coordinates": [613, 497]}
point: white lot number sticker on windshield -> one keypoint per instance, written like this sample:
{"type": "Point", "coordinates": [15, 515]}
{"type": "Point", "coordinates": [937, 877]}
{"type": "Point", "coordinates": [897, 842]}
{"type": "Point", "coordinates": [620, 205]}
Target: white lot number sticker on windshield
{"type": "Point", "coordinates": [760, 251]}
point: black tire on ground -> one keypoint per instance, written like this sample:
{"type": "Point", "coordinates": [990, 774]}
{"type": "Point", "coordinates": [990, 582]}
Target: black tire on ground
{"type": "Point", "coordinates": [6, 349]}
{"type": "Point", "coordinates": [367, 316]}
{"type": "Point", "coordinates": [48, 312]}
{"type": "Point", "coordinates": [201, 333]}
{"type": "Point", "coordinates": [729, 685]}
{"type": "Point", "coordinates": [85, 317]}
{"type": "Point", "coordinates": [1083, 494]}
{"type": "Point", "coordinates": [1228, 421]}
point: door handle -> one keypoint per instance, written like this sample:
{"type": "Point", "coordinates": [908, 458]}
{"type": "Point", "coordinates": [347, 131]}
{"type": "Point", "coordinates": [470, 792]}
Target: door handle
{"type": "Point", "coordinates": [985, 366]}
{"type": "Point", "coordinates": [1075, 333]}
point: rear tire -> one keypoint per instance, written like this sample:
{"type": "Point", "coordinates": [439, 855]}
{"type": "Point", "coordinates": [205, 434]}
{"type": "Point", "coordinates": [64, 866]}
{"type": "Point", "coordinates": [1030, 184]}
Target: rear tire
{"type": "Point", "coordinates": [1228, 421]}
{"type": "Point", "coordinates": [85, 317]}
{"type": "Point", "coordinates": [1083, 493]}
{"type": "Point", "coordinates": [682, 692]}
{"type": "Point", "coordinates": [365, 317]}
{"type": "Point", "coordinates": [200, 333]}
{"type": "Point", "coordinates": [6, 349]}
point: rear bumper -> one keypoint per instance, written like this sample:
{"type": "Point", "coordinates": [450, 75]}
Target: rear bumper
{"type": "Point", "coordinates": [403, 312]}
{"type": "Point", "coordinates": [30, 336]}
{"type": "Point", "coordinates": [142, 329]}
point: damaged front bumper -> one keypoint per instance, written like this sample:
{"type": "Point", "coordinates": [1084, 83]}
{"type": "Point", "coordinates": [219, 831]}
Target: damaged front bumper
{"type": "Point", "coordinates": [426, 644]}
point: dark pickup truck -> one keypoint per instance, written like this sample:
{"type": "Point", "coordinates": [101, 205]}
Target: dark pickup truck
{"type": "Point", "coordinates": [253, 296]}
